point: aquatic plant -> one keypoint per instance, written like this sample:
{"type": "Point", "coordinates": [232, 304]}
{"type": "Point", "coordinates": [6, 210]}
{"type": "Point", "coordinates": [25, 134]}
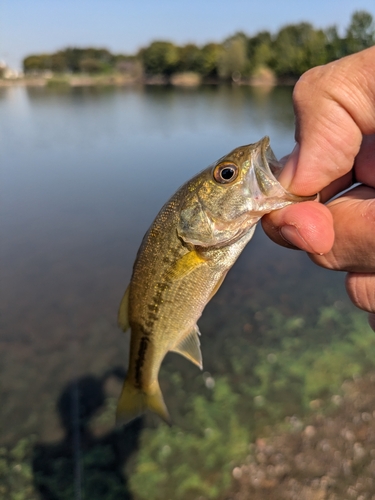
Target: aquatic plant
{"type": "Point", "coordinates": [288, 369]}
{"type": "Point", "coordinates": [16, 477]}
{"type": "Point", "coordinates": [178, 463]}
{"type": "Point", "coordinates": [307, 363]}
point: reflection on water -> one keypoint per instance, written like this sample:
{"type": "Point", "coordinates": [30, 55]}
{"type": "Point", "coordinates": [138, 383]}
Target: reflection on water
{"type": "Point", "coordinates": [84, 172]}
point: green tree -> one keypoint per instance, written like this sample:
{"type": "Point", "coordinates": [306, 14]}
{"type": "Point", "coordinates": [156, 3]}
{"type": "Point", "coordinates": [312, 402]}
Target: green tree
{"type": "Point", "coordinates": [90, 65]}
{"type": "Point", "coordinates": [335, 45]}
{"type": "Point", "coordinates": [260, 50]}
{"type": "Point", "coordinates": [189, 58]}
{"type": "Point", "coordinates": [233, 62]}
{"type": "Point", "coordinates": [160, 58]}
{"type": "Point", "coordinates": [74, 56]}
{"type": "Point", "coordinates": [209, 58]}
{"type": "Point", "coordinates": [297, 48]}
{"type": "Point", "coordinates": [37, 63]}
{"type": "Point", "coordinates": [58, 62]}
{"type": "Point", "coordinates": [361, 32]}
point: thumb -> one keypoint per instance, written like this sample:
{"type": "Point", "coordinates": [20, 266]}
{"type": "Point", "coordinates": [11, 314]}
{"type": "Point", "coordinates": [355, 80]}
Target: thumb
{"type": "Point", "coordinates": [334, 107]}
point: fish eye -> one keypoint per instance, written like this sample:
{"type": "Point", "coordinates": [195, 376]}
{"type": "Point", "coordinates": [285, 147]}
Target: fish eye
{"type": "Point", "coordinates": [225, 173]}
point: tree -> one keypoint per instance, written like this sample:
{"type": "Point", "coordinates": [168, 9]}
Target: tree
{"type": "Point", "coordinates": [361, 32]}
{"type": "Point", "coordinates": [189, 56]}
{"type": "Point", "coordinates": [73, 56]}
{"type": "Point", "coordinates": [233, 60]}
{"type": "Point", "coordinates": [88, 59]}
{"type": "Point", "coordinates": [209, 58]}
{"type": "Point", "coordinates": [58, 62]}
{"type": "Point", "coordinates": [90, 65]}
{"type": "Point", "coordinates": [260, 50]}
{"type": "Point", "coordinates": [297, 48]}
{"type": "Point", "coordinates": [335, 46]}
{"type": "Point", "coordinates": [37, 63]}
{"type": "Point", "coordinates": [160, 58]}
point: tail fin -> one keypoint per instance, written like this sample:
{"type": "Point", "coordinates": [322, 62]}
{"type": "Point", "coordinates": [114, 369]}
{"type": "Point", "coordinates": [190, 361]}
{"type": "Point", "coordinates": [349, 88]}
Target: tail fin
{"type": "Point", "coordinates": [134, 402]}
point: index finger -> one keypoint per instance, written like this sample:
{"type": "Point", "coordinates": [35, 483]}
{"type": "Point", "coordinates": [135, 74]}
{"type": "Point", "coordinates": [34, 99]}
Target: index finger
{"type": "Point", "coordinates": [335, 107]}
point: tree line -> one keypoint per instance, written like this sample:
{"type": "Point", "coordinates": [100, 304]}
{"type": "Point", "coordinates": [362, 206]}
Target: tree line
{"type": "Point", "coordinates": [287, 54]}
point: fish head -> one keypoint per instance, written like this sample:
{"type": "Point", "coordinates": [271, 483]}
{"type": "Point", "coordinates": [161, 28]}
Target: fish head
{"type": "Point", "coordinates": [224, 201]}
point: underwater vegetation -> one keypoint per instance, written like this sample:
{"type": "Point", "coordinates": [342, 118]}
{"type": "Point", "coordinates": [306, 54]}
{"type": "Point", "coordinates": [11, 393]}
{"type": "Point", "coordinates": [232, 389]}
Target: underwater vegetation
{"type": "Point", "coordinates": [305, 367]}
{"type": "Point", "coordinates": [16, 474]}
{"type": "Point", "coordinates": [294, 387]}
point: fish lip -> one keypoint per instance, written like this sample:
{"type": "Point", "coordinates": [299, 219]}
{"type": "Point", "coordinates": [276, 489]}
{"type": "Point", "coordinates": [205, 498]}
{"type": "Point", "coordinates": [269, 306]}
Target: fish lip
{"type": "Point", "coordinates": [262, 165]}
{"type": "Point", "coordinates": [267, 171]}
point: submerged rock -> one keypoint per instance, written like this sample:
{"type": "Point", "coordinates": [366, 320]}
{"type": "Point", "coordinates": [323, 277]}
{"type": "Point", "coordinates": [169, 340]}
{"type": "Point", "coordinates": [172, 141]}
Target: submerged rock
{"type": "Point", "coordinates": [331, 457]}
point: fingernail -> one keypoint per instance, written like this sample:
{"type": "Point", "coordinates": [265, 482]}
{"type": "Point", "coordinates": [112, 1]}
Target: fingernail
{"type": "Point", "coordinates": [286, 175]}
{"type": "Point", "coordinates": [292, 236]}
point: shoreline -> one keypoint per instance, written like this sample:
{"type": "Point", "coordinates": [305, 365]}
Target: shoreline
{"type": "Point", "coordinates": [118, 80]}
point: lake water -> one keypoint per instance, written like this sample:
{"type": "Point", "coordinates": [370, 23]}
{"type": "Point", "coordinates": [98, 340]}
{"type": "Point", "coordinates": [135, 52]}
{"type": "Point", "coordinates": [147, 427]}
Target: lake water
{"type": "Point", "coordinates": [84, 172]}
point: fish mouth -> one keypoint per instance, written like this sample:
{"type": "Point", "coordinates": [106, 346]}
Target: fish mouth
{"type": "Point", "coordinates": [269, 162]}
{"type": "Point", "coordinates": [266, 170]}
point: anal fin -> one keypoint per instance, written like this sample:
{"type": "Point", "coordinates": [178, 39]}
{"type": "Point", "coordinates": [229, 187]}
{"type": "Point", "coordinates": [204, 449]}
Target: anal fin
{"type": "Point", "coordinates": [189, 347]}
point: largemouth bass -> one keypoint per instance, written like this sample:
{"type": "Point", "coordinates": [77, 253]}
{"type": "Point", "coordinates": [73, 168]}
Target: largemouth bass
{"type": "Point", "coordinates": [182, 261]}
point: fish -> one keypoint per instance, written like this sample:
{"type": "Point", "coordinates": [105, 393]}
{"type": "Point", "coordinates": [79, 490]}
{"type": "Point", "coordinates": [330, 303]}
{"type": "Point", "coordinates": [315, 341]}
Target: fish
{"type": "Point", "coordinates": [183, 259]}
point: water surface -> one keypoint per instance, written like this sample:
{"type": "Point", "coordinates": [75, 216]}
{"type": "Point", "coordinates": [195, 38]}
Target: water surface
{"type": "Point", "coordinates": [84, 172]}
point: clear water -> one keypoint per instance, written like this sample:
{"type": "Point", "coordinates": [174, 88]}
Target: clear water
{"type": "Point", "coordinates": [84, 172]}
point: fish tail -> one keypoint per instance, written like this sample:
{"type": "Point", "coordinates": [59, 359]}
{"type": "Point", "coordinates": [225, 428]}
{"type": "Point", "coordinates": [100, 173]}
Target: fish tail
{"type": "Point", "coordinates": [134, 402]}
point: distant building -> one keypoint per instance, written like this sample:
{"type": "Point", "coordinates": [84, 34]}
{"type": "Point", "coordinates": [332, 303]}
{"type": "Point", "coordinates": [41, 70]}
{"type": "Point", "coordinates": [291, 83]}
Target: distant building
{"type": "Point", "coordinates": [9, 73]}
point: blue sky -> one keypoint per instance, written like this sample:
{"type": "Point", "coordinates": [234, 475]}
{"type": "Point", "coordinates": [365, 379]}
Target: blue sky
{"type": "Point", "coordinates": [35, 26]}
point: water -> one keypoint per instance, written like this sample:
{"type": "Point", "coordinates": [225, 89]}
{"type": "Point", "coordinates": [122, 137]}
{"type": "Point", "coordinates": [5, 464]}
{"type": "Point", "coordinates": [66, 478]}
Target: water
{"type": "Point", "coordinates": [84, 172]}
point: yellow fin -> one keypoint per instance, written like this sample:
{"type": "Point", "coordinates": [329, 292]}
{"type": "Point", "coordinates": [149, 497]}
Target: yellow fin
{"type": "Point", "coordinates": [189, 347]}
{"type": "Point", "coordinates": [185, 265]}
{"type": "Point", "coordinates": [122, 318]}
{"type": "Point", "coordinates": [134, 402]}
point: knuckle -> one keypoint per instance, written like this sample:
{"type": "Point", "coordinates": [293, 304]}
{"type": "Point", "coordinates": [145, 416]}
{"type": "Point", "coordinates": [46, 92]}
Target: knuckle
{"type": "Point", "coordinates": [327, 261]}
{"type": "Point", "coordinates": [361, 290]}
{"type": "Point", "coordinates": [368, 212]}
{"type": "Point", "coordinates": [307, 80]}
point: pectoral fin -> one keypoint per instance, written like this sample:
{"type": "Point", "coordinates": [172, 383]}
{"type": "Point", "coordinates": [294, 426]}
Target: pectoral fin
{"type": "Point", "coordinates": [189, 347]}
{"type": "Point", "coordinates": [185, 265]}
{"type": "Point", "coordinates": [122, 318]}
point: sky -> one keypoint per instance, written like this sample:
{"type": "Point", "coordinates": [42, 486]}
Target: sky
{"type": "Point", "coordinates": [124, 26]}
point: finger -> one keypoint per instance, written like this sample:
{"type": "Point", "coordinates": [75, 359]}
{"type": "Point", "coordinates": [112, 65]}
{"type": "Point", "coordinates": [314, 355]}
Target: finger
{"type": "Point", "coordinates": [336, 187]}
{"type": "Point", "coordinates": [365, 161]}
{"type": "Point", "coordinates": [354, 226]}
{"type": "Point", "coordinates": [334, 106]}
{"type": "Point", "coordinates": [361, 291]}
{"type": "Point", "coordinates": [307, 226]}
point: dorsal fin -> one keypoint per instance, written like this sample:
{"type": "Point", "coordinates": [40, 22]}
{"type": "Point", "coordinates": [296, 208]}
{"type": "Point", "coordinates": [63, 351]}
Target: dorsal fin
{"type": "Point", "coordinates": [188, 347]}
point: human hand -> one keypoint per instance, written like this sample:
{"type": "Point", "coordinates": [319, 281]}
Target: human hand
{"type": "Point", "coordinates": [335, 134]}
